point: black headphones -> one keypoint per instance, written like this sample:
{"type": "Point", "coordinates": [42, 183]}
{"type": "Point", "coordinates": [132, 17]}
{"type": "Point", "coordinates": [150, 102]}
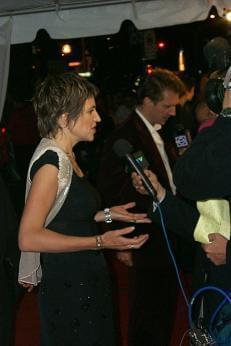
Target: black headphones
{"type": "Point", "coordinates": [214, 94]}
{"type": "Point", "coordinates": [215, 89]}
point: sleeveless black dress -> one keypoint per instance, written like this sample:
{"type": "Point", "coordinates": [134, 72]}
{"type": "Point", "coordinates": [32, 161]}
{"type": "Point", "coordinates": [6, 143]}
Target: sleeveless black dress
{"type": "Point", "coordinates": [75, 294]}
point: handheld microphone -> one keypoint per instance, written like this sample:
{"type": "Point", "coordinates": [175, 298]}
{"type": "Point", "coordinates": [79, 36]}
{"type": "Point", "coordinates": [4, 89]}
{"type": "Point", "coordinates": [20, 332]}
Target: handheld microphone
{"type": "Point", "coordinates": [123, 148]}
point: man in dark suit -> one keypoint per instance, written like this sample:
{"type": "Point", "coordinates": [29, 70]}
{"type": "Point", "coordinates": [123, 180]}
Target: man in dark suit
{"type": "Point", "coordinates": [9, 258]}
{"type": "Point", "coordinates": [152, 305]}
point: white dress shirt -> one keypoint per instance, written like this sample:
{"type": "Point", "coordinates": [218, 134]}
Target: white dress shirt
{"type": "Point", "coordinates": [160, 146]}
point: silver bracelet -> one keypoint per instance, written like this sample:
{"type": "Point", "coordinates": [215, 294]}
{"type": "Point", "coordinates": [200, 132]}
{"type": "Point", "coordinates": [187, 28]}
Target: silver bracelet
{"type": "Point", "coordinates": [99, 242]}
{"type": "Point", "coordinates": [107, 215]}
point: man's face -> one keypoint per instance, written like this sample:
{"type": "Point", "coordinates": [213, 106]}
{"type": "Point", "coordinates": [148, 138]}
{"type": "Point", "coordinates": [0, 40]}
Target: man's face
{"type": "Point", "coordinates": [160, 112]}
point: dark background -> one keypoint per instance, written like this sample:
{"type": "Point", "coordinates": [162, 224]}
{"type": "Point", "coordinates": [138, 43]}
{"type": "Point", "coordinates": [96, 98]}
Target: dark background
{"type": "Point", "coordinates": [117, 59]}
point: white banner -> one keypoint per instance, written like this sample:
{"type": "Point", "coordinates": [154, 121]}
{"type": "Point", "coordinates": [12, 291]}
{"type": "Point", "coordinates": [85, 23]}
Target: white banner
{"type": "Point", "coordinates": [5, 40]}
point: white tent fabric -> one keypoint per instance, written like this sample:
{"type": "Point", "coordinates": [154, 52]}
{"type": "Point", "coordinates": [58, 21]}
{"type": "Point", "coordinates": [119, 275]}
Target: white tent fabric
{"type": "Point", "coordinates": [97, 17]}
{"type": "Point", "coordinates": [5, 35]}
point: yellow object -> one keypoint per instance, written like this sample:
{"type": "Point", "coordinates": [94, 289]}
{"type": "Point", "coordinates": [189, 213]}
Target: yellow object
{"type": "Point", "coordinates": [214, 218]}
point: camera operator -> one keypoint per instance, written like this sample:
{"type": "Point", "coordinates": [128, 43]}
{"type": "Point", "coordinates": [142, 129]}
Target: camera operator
{"type": "Point", "coordinates": [207, 162]}
{"type": "Point", "coordinates": [205, 169]}
{"type": "Point", "coordinates": [203, 172]}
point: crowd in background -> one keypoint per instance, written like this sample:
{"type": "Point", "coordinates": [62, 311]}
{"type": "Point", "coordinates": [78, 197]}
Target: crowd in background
{"type": "Point", "coordinates": [19, 138]}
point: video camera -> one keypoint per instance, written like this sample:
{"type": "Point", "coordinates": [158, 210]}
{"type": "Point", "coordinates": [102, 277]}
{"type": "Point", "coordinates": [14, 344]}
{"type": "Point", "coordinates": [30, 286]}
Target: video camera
{"type": "Point", "coordinates": [217, 52]}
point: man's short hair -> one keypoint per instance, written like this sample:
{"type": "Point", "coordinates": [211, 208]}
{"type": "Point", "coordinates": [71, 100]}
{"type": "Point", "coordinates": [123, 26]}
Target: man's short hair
{"type": "Point", "coordinates": [154, 86]}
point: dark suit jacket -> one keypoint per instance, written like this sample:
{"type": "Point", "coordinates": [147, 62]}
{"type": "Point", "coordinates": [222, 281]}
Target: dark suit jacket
{"type": "Point", "coordinates": [179, 216]}
{"type": "Point", "coordinates": [112, 172]}
{"type": "Point", "coordinates": [116, 186]}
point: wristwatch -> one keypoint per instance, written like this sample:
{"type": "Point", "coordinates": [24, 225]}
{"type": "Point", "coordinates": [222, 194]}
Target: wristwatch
{"type": "Point", "coordinates": [226, 112]}
{"type": "Point", "coordinates": [107, 215]}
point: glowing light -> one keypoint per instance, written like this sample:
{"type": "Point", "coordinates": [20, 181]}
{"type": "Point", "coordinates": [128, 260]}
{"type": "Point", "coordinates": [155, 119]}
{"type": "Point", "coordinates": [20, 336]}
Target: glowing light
{"type": "Point", "coordinates": [181, 62]}
{"type": "Point", "coordinates": [228, 16]}
{"type": "Point", "coordinates": [66, 48]}
{"type": "Point", "coordinates": [212, 16]}
{"type": "Point", "coordinates": [161, 44]}
{"type": "Point", "coordinates": [85, 74]}
{"type": "Point", "coordinates": [3, 130]}
{"type": "Point", "coordinates": [74, 63]}
{"type": "Point", "coordinates": [149, 69]}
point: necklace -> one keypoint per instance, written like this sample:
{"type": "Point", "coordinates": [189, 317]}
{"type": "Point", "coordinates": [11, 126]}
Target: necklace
{"type": "Point", "coordinates": [71, 157]}
{"type": "Point", "coordinates": [74, 164]}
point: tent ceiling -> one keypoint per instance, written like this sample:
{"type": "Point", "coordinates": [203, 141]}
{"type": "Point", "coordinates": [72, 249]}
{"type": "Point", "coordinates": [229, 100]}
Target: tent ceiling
{"type": "Point", "coordinates": [12, 7]}
{"type": "Point", "coordinates": [82, 18]}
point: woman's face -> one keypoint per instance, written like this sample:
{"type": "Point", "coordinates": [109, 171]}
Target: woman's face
{"type": "Point", "coordinates": [84, 127]}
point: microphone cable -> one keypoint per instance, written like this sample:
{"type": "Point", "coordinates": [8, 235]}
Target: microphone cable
{"type": "Point", "coordinates": [196, 333]}
{"type": "Point", "coordinates": [171, 252]}
{"type": "Point", "coordinates": [211, 334]}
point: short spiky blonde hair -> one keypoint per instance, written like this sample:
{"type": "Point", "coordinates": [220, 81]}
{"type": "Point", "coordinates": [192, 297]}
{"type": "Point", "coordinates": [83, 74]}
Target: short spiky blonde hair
{"type": "Point", "coordinates": [59, 94]}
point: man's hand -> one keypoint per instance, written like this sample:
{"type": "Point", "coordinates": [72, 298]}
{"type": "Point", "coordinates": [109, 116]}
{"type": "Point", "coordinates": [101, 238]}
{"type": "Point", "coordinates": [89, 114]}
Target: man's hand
{"type": "Point", "coordinates": [28, 287]}
{"type": "Point", "coordinates": [125, 257]}
{"type": "Point", "coordinates": [216, 250]}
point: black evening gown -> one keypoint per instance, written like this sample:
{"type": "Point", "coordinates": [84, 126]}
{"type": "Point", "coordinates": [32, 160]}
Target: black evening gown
{"type": "Point", "coordinates": [75, 294]}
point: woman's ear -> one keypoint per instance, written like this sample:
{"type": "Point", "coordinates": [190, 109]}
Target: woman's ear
{"type": "Point", "coordinates": [63, 120]}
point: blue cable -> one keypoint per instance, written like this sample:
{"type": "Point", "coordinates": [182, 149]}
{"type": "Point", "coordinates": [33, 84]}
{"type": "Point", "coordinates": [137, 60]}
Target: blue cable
{"type": "Point", "coordinates": [171, 255]}
{"type": "Point", "coordinates": [196, 294]}
{"type": "Point", "coordinates": [214, 315]}
{"type": "Point", "coordinates": [199, 291]}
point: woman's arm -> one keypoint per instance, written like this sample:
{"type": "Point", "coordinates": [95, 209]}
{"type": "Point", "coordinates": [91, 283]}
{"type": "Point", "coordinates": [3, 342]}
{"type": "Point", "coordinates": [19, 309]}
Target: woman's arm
{"type": "Point", "coordinates": [34, 237]}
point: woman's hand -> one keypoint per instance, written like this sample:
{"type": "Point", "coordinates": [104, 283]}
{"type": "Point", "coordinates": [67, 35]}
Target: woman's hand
{"type": "Point", "coordinates": [138, 184]}
{"type": "Point", "coordinates": [116, 239]}
{"type": "Point", "coordinates": [121, 213]}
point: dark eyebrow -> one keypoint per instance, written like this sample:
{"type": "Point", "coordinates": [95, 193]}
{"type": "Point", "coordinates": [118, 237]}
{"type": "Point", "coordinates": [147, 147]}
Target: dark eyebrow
{"type": "Point", "coordinates": [91, 108]}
